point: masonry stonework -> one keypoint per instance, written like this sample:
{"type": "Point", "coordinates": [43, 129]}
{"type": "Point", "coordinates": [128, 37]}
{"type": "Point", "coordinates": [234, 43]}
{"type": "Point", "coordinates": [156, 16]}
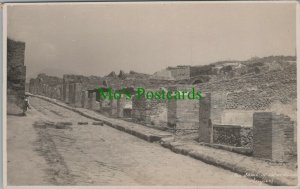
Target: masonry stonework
{"type": "Point", "coordinates": [183, 114]}
{"type": "Point", "coordinates": [16, 76]}
{"type": "Point", "coordinates": [272, 136]}
{"type": "Point", "coordinates": [205, 123]}
{"type": "Point", "coordinates": [93, 104]}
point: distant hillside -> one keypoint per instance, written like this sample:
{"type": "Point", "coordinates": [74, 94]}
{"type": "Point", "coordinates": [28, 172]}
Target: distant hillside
{"type": "Point", "coordinates": [234, 68]}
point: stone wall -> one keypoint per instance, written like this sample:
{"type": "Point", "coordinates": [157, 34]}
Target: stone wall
{"type": "Point", "coordinates": [201, 70]}
{"type": "Point", "coordinates": [256, 91]}
{"type": "Point", "coordinates": [205, 122]}
{"type": "Point", "coordinates": [180, 72]}
{"type": "Point", "coordinates": [235, 100]}
{"type": "Point", "coordinates": [16, 76]}
{"type": "Point", "coordinates": [114, 108]}
{"type": "Point", "coordinates": [233, 135]}
{"type": "Point", "coordinates": [152, 112]}
{"type": "Point", "coordinates": [272, 136]}
{"type": "Point", "coordinates": [246, 137]}
{"type": "Point", "coordinates": [138, 109]}
{"type": "Point", "coordinates": [227, 135]}
{"type": "Point", "coordinates": [45, 85]}
{"type": "Point", "coordinates": [183, 114]}
{"type": "Point", "coordinates": [93, 104]}
{"type": "Point", "coordinates": [77, 94]}
{"type": "Point", "coordinates": [124, 107]}
{"type": "Point", "coordinates": [156, 112]}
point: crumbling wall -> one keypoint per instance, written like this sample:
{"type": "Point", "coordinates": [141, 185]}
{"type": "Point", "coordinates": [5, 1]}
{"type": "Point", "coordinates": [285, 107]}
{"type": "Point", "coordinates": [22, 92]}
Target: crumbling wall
{"type": "Point", "coordinates": [16, 76]}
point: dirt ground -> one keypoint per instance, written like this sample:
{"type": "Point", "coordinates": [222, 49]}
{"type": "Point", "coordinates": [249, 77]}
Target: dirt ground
{"type": "Point", "coordinates": [42, 151]}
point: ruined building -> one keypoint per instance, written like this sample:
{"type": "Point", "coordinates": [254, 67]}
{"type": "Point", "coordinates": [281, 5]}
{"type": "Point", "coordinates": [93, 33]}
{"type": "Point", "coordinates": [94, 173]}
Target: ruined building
{"type": "Point", "coordinates": [247, 104]}
{"type": "Point", "coordinates": [16, 76]}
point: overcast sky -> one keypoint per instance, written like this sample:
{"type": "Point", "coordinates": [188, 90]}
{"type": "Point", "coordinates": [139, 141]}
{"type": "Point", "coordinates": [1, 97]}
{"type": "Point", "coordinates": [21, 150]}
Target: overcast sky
{"type": "Point", "coordinates": [95, 39]}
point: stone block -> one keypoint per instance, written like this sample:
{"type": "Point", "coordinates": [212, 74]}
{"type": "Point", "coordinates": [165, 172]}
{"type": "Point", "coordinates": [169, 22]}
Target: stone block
{"type": "Point", "coordinates": [205, 124]}
{"type": "Point", "coordinates": [272, 136]}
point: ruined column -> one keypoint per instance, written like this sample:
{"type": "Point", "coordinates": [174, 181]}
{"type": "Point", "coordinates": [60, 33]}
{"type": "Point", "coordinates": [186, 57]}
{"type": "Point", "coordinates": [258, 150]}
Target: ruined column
{"type": "Point", "coordinates": [272, 136]}
{"type": "Point", "coordinates": [60, 88]}
{"type": "Point", "coordinates": [113, 108]}
{"type": "Point", "coordinates": [205, 123]}
{"type": "Point", "coordinates": [124, 107]}
{"type": "Point", "coordinates": [31, 86]}
{"type": "Point", "coordinates": [86, 99]}
{"type": "Point", "coordinates": [100, 103]}
{"type": "Point", "coordinates": [93, 104]}
{"type": "Point", "coordinates": [120, 107]}
{"type": "Point", "coordinates": [66, 92]}
{"type": "Point", "coordinates": [171, 111]}
{"type": "Point", "coordinates": [138, 108]}
{"type": "Point", "coordinates": [82, 99]}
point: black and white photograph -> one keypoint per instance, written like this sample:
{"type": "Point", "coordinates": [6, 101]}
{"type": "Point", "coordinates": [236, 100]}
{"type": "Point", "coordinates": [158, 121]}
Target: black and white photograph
{"type": "Point", "coordinates": [150, 94]}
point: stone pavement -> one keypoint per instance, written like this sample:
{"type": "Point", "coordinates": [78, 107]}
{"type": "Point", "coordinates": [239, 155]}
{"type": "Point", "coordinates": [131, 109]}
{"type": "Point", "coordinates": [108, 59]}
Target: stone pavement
{"type": "Point", "coordinates": [270, 173]}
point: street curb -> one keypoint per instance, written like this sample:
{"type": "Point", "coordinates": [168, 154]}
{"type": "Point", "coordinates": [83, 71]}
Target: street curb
{"type": "Point", "coordinates": [145, 136]}
{"type": "Point", "coordinates": [236, 168]}
{"type": "Point", "coordinates": [185, 150]}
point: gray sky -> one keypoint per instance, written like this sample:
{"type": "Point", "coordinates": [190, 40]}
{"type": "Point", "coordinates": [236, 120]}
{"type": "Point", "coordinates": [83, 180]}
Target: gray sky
{"type": "Point", "coordinates": [95, 39]}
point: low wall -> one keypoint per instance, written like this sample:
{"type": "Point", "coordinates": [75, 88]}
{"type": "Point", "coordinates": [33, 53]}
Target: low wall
{"type": "Point", "coordinates": [227, 134]}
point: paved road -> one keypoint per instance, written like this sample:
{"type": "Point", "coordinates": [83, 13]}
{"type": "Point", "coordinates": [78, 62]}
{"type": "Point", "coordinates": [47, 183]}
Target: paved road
{"type": "Point", "coordinates": [41, 154]}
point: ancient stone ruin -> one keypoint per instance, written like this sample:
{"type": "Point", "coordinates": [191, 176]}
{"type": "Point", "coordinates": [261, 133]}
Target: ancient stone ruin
{"type": "Point", "coordinates": [247, 104]}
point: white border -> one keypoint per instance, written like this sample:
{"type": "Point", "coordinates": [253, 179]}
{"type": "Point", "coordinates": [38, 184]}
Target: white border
{"type": "Point", "coordinates": [4, 100]}
{"type": "Point", "coordinates": [156, 2]}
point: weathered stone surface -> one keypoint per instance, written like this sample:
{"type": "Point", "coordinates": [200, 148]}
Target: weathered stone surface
{"type": "Point", "coordinates": [272, 136]}
{"type": "Point", "coordinates": [93, 104]}
{"type": "Point", "coordinates": [16, 76]}
{"type": "Point", "coordinates": [205, 124]}
{"type": "Point", "coordinates": [227, 134]}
